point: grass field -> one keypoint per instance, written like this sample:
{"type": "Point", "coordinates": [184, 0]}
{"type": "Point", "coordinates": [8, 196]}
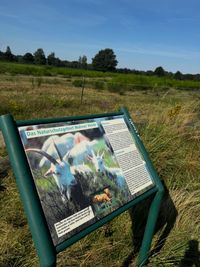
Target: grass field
{"type": "Point", "coordinates": [169, 124]}
{"type": "Point", "coordinates": [110, 80]}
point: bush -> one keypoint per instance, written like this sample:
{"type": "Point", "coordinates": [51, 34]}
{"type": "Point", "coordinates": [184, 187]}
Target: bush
{"type": "Point", "coordinates": [77, 83]}
{"type": "Point", "coordinates": [115, 87]}
{"type": "Point", "coordinates": [99, 85]}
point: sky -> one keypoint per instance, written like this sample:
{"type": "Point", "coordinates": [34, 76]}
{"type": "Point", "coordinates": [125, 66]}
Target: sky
{"type": "Point", "coordinates": [144, 34]}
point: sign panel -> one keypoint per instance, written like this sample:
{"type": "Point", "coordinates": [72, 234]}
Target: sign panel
{"type": "Point", "coordinates": [83, 170]}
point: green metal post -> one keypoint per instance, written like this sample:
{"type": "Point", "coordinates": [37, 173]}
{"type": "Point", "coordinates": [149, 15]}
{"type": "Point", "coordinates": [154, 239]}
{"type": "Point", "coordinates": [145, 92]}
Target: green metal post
{"type": "Point", "coordinates": [42, 239]}
{"type": "Point", "coordinates": [149, 229]}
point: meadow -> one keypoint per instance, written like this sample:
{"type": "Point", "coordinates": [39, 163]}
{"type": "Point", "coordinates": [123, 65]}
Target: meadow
{"type": "Point", "coordinates": [168, 120]}
{"type": "Point", "coordinates": [112, 81]}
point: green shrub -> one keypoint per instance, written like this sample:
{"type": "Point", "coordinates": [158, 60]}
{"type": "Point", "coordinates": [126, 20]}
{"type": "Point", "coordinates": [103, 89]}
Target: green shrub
{"type": "Point", "coordinates": [115, 87]}
{"type": "Point", "coordinates": [77, 83]}
{"type": "Point", "coordinates": [99, 85]}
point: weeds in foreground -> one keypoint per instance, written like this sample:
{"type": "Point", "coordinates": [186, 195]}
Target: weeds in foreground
{"type": "Point", "coordinates": [168, 123]}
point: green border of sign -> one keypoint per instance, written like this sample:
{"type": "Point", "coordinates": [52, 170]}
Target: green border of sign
{"type": "Point", "coordinates": [46, 250]}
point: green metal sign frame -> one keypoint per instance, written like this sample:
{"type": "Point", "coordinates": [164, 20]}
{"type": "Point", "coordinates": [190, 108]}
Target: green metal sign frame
{"type": "Point", "coordinates": [42, 239]}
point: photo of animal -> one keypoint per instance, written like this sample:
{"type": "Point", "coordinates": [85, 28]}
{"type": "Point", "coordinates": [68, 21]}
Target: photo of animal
{"type": "Point", "coordinates": [60, 170]}
{"type": "Point", "coordinates": [72, 171]}
{"type": "Point", "coordinates": [110, 172]}
{"type": "Point", "coordinates": [103, 197]}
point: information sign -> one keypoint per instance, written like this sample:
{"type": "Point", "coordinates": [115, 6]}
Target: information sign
{"type": "Point", "coordinates": [83, 170]}
{"type": "Point", "coordinates": [77, 173]}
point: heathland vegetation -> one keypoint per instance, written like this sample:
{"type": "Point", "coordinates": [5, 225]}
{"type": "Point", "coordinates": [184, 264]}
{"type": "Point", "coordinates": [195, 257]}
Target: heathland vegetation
{"type": "Point", "coordinates": [105, 60]}
{"type": "Point", "coordinates": [115, 81]}
{"type": "Point", "coordinates": [166, 111]}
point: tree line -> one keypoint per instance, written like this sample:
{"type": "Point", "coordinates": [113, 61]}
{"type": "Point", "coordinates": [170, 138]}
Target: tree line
{"type": "Point", "coordinates": [104, 60]}
{"type": "Point", "coordinates": [39, 58]}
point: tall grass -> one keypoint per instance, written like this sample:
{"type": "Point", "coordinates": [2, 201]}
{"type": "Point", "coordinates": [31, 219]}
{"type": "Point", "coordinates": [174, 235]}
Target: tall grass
{"type": "Point", "coordinates": [172, 140]}
{"type": "Point", "coordinates": [27, 69]}
{"type": "Point", "coordinates": [169, 125]}
{"type": "Point", "coordinates": [184, 233]}
{"type": "Point", "coordinates": [152, 82]}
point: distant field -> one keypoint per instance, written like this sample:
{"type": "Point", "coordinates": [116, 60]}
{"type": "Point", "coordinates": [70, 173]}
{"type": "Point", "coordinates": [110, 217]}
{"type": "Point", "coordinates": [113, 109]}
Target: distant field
{"type": "Point", "coordinates": [100, 80]}
{"type": "Point", "coordinates": [28, 69]}
{"type": "Point", "coordinates": [169, 124]}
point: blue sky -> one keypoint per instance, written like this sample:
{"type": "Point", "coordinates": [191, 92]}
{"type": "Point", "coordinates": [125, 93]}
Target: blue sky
{"type": "Point", "coordinates": [144, 34]}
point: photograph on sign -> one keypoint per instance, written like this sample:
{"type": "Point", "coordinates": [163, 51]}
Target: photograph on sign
{"type": "Point", "coordinates": [83, 170]}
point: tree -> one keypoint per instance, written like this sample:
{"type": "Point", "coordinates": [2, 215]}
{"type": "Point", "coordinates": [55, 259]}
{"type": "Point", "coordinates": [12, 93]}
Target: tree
{"type": "Point", "coordinates": [159, 71]}
{"type": "Point", "coordinates": [51, 59]}
{"type": "Point", "coordinates": [74, 64]}
{"type": "Point", "coordinates": [19, 59]}
{"type": "Point", "coordinates": [8, 54]}
{"type": "Point", "coordinates": [1, 55]}
{"type": "Point", "coordinates": [178, 75]}
{"type": "Point", "coordinates": [39, 57]}
{"type": "Point", "coordinates": [83, 62]}
{"type": "Point", "coordinates": [28, 58]}
{"type": "Point", "coordinates": [105, 60]}
{"type": "Point", "coordinates": [80, 61]}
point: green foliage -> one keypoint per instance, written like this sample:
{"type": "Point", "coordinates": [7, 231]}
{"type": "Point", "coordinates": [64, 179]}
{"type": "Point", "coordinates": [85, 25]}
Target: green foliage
{"type": "Point", "coordinates": [115, 87]}
{"type": "Point", "coordinates": [77, 83]}
{"type": "Point", "coordinates": [83, 62]}
{"type": "Point", "coordinates": [159, 71]}
{"type": "Point", "coordinates": [51, 59]}
{"type": "Point", "coordinates": [25, 69]}
{"type": "Point", "coordinates": [8, 56]}
{"type": "Point", "coordinates": [105, 60]}
{"type": "Point", "coordinates": [178, 75]}
{"type": "Point", "coordinates": [28, 58]}
{"type": "Point", "coordinates": [130, 82]}
{"type": "Point", "coordinates": [99, 85]}
{"type": "Point", "coordinates": [39, 57]}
